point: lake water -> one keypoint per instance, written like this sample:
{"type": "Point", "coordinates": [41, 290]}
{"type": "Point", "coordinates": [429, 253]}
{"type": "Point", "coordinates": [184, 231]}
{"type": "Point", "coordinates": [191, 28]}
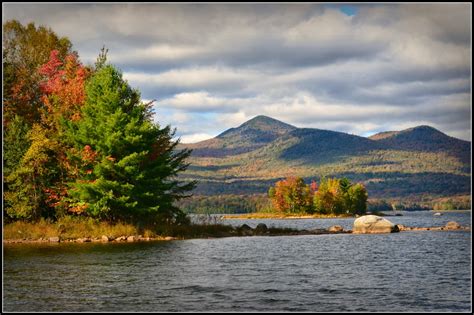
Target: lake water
{"type": "Point", "coordinates": [407, 271]}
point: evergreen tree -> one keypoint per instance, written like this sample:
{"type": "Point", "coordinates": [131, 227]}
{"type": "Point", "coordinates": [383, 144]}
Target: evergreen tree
{"type": "Point", "coordinates": [357, 196]}
{"type": "Point", "coordinates": [126, 165]}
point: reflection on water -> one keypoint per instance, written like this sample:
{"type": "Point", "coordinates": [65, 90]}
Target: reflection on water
{"type": "Point", "coordinates": [409, 271]}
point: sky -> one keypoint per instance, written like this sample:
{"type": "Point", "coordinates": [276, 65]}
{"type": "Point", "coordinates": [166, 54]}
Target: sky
{"type": "Point", "coordinates": [355, 68]}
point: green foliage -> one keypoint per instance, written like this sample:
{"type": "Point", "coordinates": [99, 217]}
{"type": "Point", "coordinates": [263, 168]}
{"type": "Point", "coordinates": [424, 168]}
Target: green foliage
{"type": "Point", "coordinates": [356, 199]}
{"type": "Point", "coordinates": [225, 204]}
{"type": "Point", "coordinates": [35, 173]}
{"type": "Point", "coordinates": [126, 164]}
{"type": "Point", "coordinates": [15, 144]}
{"type": "Point", "coordinates": [101, 59]}
{"type": "Point", "coordinates": [330, 197]}
{"type": "Point", "coordinates": [379, 205]}
{"type": "Point", "coordinates": [452, 204]}
{"type": "Point", "coordinates": [271, 192]}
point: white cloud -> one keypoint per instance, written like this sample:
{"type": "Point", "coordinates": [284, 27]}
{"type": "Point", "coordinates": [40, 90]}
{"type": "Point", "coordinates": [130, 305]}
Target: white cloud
{"type": "Point", "coordinates": [196, 137]}
{"type": "Point", "coordinates": [160, 52]}
{"type": "Point", "coordinates": [195, 100]}
{"type": "Point", "coordinates": [195, 77]}
{"type": "Point", "coordinates": [213, 66]}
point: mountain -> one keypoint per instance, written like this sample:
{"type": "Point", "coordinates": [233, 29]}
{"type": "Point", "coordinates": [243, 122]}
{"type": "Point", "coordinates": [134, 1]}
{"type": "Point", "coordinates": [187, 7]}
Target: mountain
{"type": "Point", "coordinates": [383, 135]}
{"type": "Point", "coordinates": [417, 162]}
{"type": "Point", "coordinates": [427, 139]}
{"type": "Point", "coordinates": [249, 136]}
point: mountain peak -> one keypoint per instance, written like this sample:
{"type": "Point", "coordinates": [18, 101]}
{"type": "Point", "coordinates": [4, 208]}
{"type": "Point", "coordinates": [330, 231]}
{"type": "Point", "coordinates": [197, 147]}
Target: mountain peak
{"type": "Point", "coordinates": [424, 130]}
{"type": "Point", "coordinates": [263, 122]}
{"type": "Point", "coordinates": [260, 124]}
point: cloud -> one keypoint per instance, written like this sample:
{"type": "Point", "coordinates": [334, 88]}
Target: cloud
{"type": "Point", "coordinates": [213, 66]}
{"type": "Point", "coordinates": [195, 137]}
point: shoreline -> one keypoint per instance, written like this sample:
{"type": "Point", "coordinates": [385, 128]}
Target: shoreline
{"type": "Point", "coordinates": [250, 216]}
{"type": "Point", "coordinates": [243, 231]}
{"type": "Point", "coordinates": [170, 238]}
{"type": "Point", "coordinates": [122, 239]}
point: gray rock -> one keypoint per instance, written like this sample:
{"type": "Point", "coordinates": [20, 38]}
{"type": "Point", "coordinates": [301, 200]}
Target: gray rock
{"type": "Point", "coordinates": [336, 228]}
{"type": "Point", "coordinates": [105, 238]}
{"type": "Point", "coordinates": [246, 230]}
{"type": "Point", "coordinates": [261, 228]}
{"type": "Point", "coordinates": [373, 224]}
{"type": "Point", "coordinates": [131, 238]}
{"type": "Point", "coordinates": [452, 225]}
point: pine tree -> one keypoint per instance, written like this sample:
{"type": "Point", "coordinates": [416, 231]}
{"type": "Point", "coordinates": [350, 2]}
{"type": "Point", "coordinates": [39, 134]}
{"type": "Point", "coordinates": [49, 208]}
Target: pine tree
{"type": "Point", "coordinates": [126, 165]}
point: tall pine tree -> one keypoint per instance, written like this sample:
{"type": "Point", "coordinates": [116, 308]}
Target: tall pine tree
{"type": "Point", "coordinates": [126, 166]}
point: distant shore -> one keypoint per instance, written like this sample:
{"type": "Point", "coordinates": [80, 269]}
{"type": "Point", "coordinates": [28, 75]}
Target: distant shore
{"type": "Point", "coordinates": [264, 215]}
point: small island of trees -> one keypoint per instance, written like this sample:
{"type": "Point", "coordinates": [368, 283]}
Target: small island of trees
{"type": "Point", "coordinates": [335, 196]}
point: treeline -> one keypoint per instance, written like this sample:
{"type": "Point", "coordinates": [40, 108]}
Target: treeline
{"type": "Point", "coordinates": [331, 196]}
{"type": "Point", "coordinates": [380, 185]}
{"type": "Point", "coordinates": [78, 140]}
{"type": "Point", "coordinates": [225, 204]}
{"type": "Point", "coordinates": [453, 203]}
{"type": "Point", "coordinates": [233, 203]}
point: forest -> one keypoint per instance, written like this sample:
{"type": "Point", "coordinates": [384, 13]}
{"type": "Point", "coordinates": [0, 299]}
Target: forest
{"type": "Point", "coordinates": [78, 140]}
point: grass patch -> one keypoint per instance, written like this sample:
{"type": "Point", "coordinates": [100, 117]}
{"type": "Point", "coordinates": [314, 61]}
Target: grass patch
{"type": "Point", "coordinates": [70, 228]}
{"type": "Point", "coordinates": [30, 231]}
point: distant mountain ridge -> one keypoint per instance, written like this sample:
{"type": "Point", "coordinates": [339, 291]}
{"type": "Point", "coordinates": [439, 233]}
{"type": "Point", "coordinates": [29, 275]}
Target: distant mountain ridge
{"type": "Point", "coordinates": [249, 136]}
{"type": "Point", "coordinates": [260, 151]}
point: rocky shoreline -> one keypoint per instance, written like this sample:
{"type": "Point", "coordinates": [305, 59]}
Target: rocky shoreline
{"type": "Point", "coordinates": [103, 239]}
{"type": "Point", "coordinates": [373, 227]}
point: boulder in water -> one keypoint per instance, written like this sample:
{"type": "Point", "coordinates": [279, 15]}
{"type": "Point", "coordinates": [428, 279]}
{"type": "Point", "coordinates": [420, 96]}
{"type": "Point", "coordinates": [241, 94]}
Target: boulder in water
{"type": "Point", "coordinates": [261, 228]}
{"type": "Point", "coordinates": [373, 224]}
{"type": "Point", "coordinates": [246, 230]}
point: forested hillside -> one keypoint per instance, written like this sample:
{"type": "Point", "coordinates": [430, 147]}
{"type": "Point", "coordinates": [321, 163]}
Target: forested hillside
{"type": "Point", "coordinates": [419, 163]}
